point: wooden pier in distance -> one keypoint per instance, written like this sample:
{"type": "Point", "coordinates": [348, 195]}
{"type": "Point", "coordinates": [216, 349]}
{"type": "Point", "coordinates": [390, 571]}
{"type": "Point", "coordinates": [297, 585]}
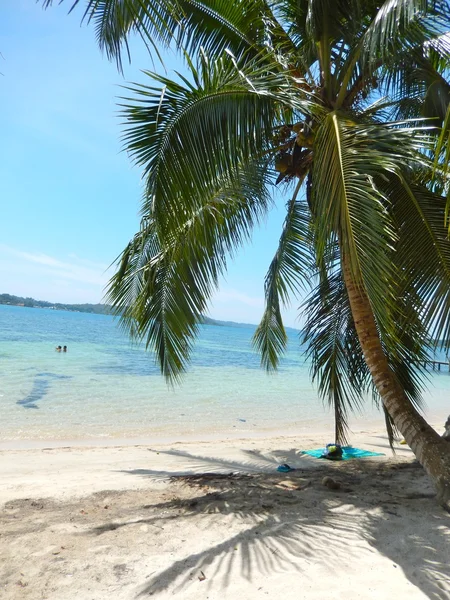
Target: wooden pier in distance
{"type": "Point", "coordinates": [436, 364]}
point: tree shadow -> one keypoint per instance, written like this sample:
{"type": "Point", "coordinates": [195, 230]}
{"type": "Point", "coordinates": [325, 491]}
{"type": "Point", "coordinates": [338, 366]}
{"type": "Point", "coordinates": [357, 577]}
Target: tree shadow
{"type": "Point", "coordinates": [256, 462]}
{"type": "Point", "coordinates": [292, 528]}
{"type": "Point", "coordinates": [271, 545]}
{"type": "Point", "coordinates": [403, 450]}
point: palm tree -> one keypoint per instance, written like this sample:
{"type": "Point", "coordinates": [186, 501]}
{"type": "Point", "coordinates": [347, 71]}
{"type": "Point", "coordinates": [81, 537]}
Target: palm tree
{"type": "Point", "coordinates": [342, 104]}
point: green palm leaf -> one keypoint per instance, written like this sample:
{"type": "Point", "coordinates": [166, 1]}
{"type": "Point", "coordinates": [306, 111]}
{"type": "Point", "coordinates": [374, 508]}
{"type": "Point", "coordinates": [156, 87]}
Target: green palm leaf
{"type": "Point", "coordinates": [163, 284]}
{"type": "Point", "coordinates": [348, 160]}
{"type": "Point", "coordinates": [400, 25]}
{"type": "Point", "coordinates": [186, 133]}
{"type": "Point", "coordinates": [289, 270]}
{"type": "Point", "coordinates": [337, 362]}
{"type": "Point", "coordinates": [215, 25]}
{"type": "Point", "coordinates": [424, 252]}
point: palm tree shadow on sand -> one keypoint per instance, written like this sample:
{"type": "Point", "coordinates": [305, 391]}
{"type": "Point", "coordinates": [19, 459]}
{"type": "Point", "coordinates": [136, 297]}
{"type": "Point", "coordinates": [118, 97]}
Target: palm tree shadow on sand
{"type": "Point", "coordinates": [291, 523]}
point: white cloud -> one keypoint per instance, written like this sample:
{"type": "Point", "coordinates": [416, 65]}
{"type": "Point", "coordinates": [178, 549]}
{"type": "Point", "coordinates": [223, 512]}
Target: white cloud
{"type": "Point", "coordinates": [230, 304]}
{"type": "Point", "coordinates": [232, 295]}
{"type": "Point", "coordinates": [48, 278]}
{"type": "Point", "coordinates": [73, 279]}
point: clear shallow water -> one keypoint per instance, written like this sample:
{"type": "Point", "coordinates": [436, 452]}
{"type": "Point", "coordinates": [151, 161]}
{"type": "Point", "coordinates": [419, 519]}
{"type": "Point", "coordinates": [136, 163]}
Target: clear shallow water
{"type": "Point", "coordinates": [104, 387]}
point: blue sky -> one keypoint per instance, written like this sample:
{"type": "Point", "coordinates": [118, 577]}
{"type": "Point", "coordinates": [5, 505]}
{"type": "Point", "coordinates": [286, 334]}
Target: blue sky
{"type": "Point", "coordinates": [70, 198]}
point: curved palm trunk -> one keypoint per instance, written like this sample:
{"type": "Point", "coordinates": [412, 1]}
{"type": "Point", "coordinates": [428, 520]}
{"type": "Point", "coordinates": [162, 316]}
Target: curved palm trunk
{"type": "Point", "coordinates": [432, 451]}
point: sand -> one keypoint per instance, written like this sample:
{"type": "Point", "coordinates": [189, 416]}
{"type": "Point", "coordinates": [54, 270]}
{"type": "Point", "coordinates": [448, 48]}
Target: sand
{"type": "Point", "coordinates": [216, 521]}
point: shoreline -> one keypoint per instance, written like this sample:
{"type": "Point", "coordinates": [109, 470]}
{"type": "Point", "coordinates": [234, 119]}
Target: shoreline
{"type": "Point", "coordinates": [161, 439]}
{"type": "Point", "coordinates": [298, 430]}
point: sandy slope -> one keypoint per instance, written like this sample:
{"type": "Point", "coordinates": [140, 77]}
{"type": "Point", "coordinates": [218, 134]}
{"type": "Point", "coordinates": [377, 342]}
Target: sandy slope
{"type": "Point", "coordinates": [125, 523]}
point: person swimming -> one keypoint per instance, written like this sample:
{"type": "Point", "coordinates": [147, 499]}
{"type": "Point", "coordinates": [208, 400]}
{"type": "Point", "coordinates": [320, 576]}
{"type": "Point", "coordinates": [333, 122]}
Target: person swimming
{"type": "Point", "coordinates": [65, 349]}
{"type": "Point", "coordinates": [58, 348]}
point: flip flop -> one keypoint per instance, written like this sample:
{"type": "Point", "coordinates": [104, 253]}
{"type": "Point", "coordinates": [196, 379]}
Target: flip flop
{"type": "Point", "coordinates": [284, 468]}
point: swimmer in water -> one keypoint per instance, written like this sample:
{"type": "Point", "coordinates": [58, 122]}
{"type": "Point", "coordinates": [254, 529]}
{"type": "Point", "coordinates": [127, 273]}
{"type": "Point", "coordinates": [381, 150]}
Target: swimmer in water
{"type": "Point", "coordinates": [65, 349]}
{"type": "Point", "coordinates": [58, 348]}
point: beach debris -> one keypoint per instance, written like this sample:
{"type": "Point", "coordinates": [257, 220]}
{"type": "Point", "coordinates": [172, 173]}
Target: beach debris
{"type": "Point", "coordinates": [331, 483]}
{"type": "Point", "coordinates": [120, 570]}
{"type": "Point", "coordinates": [288, 484]}
{"type": "Point", "coordinates": [202, 576]}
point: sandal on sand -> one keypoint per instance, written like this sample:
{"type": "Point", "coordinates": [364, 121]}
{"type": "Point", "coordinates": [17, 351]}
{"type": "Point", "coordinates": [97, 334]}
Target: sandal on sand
{"type": "Point", "coordinates": [284, 468]}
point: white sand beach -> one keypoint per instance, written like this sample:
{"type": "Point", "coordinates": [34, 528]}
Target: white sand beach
{"type": "Point", "coordinates": [216, 520]}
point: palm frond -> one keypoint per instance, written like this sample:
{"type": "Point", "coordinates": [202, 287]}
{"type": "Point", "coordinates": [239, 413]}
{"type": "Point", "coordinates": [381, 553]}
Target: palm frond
{"type": "Point", "coordinates": [164, 281]}
{"type": "Point", "coordinates": [442, 152]}
{"type": "Point", "coordinates": [289, 271]}
{"type": "Point", "coordinates": [348, 160]}
{"type": "Point", "coordinates": [424, 251]}
{"type": "Point", "coordinates": [337, 362]}
{"type": "Point", "coordinates": [400, 25]}
{"type": "Point", "coordinates": [215, 25]}
{"type": "Point", "coordinates": [155, 21]}
{"type": "Point", "coordinates": [188, 133]}
{"type": "Point", "coordinates": [302, 78]}
{"type": "Point", "coordinates": [349, 205]}
{"type": "Point", "coordinates": [417, 84]}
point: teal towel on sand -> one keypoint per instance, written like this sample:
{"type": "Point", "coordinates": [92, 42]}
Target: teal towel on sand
{"type": "Point", "coordinates": [348, 452]}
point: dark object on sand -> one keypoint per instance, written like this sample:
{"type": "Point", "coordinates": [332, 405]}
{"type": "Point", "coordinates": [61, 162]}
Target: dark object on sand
{"type": "Point", "coordinates": [330, 483]}
{"type": "Point", "coordinates": [284, 468]}
{"type": "Point", "coordinates": [446, 434]}
{"type": "Point", "coordinates": [333, 452]}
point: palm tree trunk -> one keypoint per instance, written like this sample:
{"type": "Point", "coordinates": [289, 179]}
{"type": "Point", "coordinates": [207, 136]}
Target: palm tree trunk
{"type": "Point", "coordinates": [432, 451]}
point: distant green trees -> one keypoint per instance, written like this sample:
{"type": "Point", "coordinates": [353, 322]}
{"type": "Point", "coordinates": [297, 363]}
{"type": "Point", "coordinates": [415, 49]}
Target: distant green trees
{"type": "Point", "coordinates": [100, 309]}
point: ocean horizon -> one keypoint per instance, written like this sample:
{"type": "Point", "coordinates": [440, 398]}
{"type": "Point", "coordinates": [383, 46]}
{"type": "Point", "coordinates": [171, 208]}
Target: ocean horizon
{"type": "Point", "coordinates": [106, 388]}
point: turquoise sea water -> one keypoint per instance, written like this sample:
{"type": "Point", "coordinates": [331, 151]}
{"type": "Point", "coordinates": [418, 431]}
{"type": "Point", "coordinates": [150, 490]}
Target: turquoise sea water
{"type": "Point", "coordinates": [106, 388]}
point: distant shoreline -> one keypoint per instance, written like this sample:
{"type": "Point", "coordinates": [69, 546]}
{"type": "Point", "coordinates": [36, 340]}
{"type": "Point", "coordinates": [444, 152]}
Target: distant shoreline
{"type": "Point", "coordinates": [50, 308]}
{"type": "Point", "coordinates": [100, 309]}
{"type": "Point", "coordinates": [11, 300]}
